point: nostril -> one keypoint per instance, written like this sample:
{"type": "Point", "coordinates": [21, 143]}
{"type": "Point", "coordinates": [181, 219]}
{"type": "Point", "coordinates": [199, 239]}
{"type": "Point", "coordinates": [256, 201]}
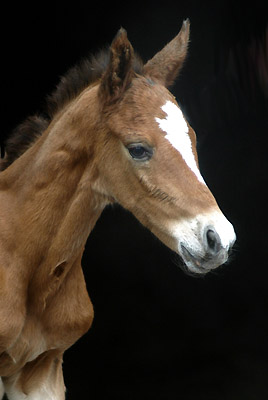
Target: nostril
{"type": "Point", "coordinates": [213, 241]}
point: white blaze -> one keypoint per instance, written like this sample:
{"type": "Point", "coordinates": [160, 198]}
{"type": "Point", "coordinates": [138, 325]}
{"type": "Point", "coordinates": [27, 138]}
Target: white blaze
{"type": "Point", "coordinates": [177, 130]}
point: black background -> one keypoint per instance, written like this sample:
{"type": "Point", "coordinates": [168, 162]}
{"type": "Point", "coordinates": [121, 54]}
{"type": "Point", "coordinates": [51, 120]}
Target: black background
{"type": "Point", "coordinates": [158, 333]}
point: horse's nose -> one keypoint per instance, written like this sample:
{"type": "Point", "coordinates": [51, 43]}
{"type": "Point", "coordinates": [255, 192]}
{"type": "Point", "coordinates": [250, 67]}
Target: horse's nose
{"type": "Point", "coordinates": [212, 241]}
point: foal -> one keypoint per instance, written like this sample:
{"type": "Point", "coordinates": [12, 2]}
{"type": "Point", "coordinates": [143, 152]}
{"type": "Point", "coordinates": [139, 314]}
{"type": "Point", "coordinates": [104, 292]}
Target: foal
{"type": "Point", "coordinates": [114, 134]}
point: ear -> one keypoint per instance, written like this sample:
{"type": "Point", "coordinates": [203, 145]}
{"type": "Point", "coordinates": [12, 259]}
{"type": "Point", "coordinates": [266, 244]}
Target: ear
{"type": "Point", "coordinates": [119, 72]}
{"type": "Point", "coordinates": [166, 64]}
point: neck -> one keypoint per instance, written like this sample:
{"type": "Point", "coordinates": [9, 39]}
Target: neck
{"type": "Point", "coordinates": [51, 192]}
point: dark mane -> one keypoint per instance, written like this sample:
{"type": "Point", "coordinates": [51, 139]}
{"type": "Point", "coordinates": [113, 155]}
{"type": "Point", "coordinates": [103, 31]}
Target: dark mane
{"type": "Point", "coordinates": [88, 71]}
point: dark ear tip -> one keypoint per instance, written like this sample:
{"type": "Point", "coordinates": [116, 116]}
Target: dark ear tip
{"type": "Point", "coordinates": [122, 44]}
{"type": "Point", "coordinates": [121, 40]}
{"type": "Point", "coordinates": [121, 34]}
{"type": "Point", "coordinates": [118, 74]}
{"type": "Point", "coordinates": [122, 31]}
{"type": "Point", "coordinates": [186, 24]}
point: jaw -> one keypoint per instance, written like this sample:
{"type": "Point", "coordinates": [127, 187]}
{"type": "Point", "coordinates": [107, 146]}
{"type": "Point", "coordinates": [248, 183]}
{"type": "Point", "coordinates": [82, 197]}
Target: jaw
{"type": "Point", "coordinates": [199, 264]}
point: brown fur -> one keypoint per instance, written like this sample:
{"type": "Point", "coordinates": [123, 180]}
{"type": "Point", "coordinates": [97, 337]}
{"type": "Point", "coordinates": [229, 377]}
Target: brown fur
{"type": "Point", "coordinates": [53, 194]}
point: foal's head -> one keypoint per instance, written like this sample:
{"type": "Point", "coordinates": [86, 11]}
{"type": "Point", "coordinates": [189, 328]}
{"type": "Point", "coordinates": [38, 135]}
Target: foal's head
{"type": "Point", "coordinates": [148, 160]}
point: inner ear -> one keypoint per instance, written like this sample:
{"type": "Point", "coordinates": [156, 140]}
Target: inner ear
{"type": "Point", "coordinates": [119, 72]}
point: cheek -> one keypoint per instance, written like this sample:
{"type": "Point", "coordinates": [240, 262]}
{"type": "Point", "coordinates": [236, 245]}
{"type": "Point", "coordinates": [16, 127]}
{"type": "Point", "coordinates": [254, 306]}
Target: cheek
{"type": "Point", "coordinates": [167, 169]}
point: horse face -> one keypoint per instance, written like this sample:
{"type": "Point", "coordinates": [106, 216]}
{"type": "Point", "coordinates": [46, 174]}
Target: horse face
{"type": "Point", "coordinates": [150, 160]}
{"type": "Point", "coordinates": [152, 170]}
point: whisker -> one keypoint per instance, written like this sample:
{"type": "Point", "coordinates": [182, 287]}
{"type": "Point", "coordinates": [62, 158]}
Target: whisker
{"type": "Point", "coordinates": [155, 192]}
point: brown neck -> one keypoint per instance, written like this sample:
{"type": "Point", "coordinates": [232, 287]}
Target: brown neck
{"type": "Point", "coordinates": [48, 201]}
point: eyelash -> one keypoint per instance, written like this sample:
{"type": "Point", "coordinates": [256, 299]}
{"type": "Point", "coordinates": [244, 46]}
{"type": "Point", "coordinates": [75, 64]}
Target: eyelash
{"type": "Point", "coordinates": [140, 152]}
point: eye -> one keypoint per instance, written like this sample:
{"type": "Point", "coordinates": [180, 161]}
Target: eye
{"type": "Point", "coordinates": [140, 152]}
